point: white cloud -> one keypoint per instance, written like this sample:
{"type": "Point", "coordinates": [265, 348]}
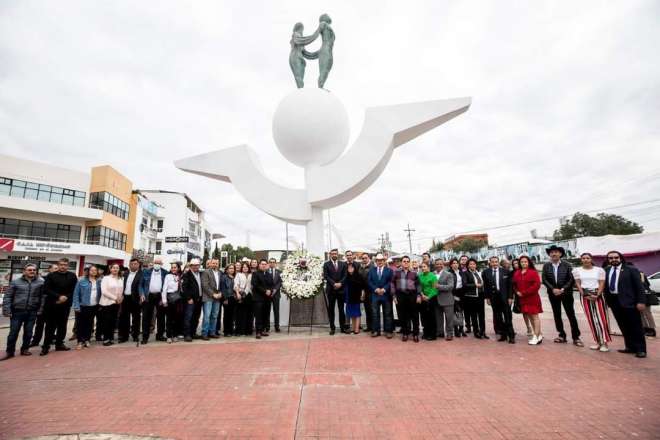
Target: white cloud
{"type": "Point", "coordinates": [564, 115]}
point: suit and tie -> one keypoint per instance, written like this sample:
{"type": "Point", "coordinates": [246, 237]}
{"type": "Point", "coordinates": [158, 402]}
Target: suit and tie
{"type": "Point", "coordinates": [623, 291]}
{"type": "Point", "coordinates": [261, 283]}
{"type": "Point", "coordinates": [335, 271]}
{"type": "Point", "coordinates": [560, 276]}
{"type": "Point", "coordinates": [130, 309]}
{"type": "Point", "coordinates": [381, 278]}
{"type": "Point", "coordinates": [275, 275]}
{"type": "Point", "coordinates": [191, 290]}
{"type": "Point", "coordinates": [498, 289]}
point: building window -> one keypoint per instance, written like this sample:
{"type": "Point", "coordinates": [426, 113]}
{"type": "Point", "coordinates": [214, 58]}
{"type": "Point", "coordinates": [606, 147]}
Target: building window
{"type": "Point", "coordinates": [31, 230]}
{"type": "Point", "coordinates": [109, 203]}
{"type": "Point", "coordinates": [107, 237]}
{"type": "Point", "coordinates": [159, 226]}
{"type": "Point", "coordinates": [45, 193]}
{"type": "Point", "coordinates": [159, 247]}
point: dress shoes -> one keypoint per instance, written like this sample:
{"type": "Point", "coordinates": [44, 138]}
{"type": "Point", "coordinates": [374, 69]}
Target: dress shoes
{"type": "Point", "coordinates": [258, 335]}
{"type": "Point", "coordinates": [277, 329]}
{"type": "Point", "coordinates": [26, 353]}
{"type": "Point", "coordinates": [214, 336]}
{"type": "Point", "coordinates": [626, 350]}
{"type": "Point", "coordinates": [484, 336]}
{"type": "Point", "coordinates": [640, 354]}
{"type": "Point", "coordinates": [502, 339]}
{"type": "Point", "coordinates": [332, 331]}
{"type": "Point", "coordinates": [415, 338]}
{"type": "Point", "coordinates": [62, 347]}
{"type": "Point", "coordinates": [205, 338]}
{"type": "Point", "coordinates": [188, 339]}
{"type": "Point", "coordinates": [404, 338]}
{"type": "Point", "coordinates": [389, 335]}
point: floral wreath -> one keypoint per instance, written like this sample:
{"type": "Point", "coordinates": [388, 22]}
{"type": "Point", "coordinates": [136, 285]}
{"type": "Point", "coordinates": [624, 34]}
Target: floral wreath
{"type": "Point", "coordinates": [302, 275]}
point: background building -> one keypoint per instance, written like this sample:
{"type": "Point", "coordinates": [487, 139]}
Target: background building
{"type": "Point", "coordinates": [49, 212]}
{"type": "Point", "coordinates": [179, 216]}
{"type": "Point", "coordinates": [146, 219]}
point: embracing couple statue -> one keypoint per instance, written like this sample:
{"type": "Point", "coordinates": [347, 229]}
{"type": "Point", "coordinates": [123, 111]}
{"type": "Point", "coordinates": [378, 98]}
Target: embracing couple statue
{"type": "Point", "coordinates": [324, 54]}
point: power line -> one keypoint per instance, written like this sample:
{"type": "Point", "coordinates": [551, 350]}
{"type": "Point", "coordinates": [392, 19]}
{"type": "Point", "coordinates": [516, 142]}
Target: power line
{"type": "Point", "coordinates": [554, 217]}
{"type": "Point", "coordinates": [408, 230]}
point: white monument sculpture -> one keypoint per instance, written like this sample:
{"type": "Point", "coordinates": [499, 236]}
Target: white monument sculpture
{"type": "Point", "coordinates": [311, 130]}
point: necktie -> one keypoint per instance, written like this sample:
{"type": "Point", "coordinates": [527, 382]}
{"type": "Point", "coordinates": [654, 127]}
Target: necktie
{"type": "Point", "coordinates": [380, 272]}
{"type": "Point", "coordinates": [613, 280]}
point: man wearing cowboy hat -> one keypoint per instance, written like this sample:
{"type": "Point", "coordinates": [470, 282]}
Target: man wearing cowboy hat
{"type": "Point", "coordinates": [557, 276]}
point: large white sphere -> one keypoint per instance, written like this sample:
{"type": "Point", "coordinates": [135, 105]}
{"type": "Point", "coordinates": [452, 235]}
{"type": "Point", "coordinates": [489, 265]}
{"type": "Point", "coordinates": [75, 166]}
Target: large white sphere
{"type": "Point", "coordinates": [310, 127]}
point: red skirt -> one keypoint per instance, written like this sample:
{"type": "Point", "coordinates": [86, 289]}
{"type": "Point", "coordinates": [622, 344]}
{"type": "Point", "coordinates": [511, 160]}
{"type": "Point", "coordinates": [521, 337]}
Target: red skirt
{"type": "Point", "coordinates": [531, 304]}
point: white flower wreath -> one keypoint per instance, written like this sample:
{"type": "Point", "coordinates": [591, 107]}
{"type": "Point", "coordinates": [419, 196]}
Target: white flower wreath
{"type": "Point", "coordinates": [302, 275]}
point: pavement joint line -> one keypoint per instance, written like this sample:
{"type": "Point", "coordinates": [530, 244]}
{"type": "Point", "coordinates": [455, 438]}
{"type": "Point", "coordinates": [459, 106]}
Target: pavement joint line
{"type": "Point", "coordinates": [302, 388]}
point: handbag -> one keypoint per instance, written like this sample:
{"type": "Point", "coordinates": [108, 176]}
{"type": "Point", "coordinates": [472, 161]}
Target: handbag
{"type": "Point", "coordinates": [516, 304]}
{"type": "Point", "coordinates": [651, 298]}
{"type": "Point", "coordinates": [173, 297]}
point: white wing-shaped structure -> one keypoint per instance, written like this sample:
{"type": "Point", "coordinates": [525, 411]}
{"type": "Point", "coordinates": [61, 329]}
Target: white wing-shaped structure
{"type": "Point", "coordinates": [336, 183]}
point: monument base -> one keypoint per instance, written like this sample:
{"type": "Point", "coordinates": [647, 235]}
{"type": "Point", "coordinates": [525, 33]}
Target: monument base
{"type": "Point", "coordinates": [308, 312]}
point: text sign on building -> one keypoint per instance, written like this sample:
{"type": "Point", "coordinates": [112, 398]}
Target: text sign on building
{"type": "Point", "coordinates": [224, 254]}
{"type": "Point", "coordinates": [42, 246]}
{"type": "Point", "coordinates": [176, 239]}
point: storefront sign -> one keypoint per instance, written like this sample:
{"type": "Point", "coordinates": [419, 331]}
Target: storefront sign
{"type": "Point", "coordinates": [182, 239]}
{"type": "Point", "coordinates": [42, 246]}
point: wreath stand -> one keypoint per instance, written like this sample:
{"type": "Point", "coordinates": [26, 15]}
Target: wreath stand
{"type": "Point", "coordinates": [310, 312]}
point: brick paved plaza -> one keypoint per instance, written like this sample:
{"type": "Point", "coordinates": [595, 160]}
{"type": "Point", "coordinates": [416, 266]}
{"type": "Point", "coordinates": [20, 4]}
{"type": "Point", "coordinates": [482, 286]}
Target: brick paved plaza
{"type": "Point", "coordinates": [342, 386]}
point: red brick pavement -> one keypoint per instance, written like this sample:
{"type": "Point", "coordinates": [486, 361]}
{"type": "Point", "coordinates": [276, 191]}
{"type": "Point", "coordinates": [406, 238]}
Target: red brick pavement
{"type": "Point", "coordinates": [336, 387]}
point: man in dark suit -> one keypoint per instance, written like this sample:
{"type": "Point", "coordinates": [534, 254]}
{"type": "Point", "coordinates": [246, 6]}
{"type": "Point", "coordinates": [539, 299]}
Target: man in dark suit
{"type": "Point", "coordinates": [275, 275]}
{"type": "Point", "coordinates": [557, 276]}
{"type": "Point", "coordinates": [364, 268]}
{"type": "Point", "coordinates": [379, 281]}
{"type": "Point", "coordinates": [498, 291]}
{"type": "Point", "coordinates": [129, 313]}
{"type": "Point", "coordinates": [262, 293]}
{"type": "Point", "coordinates": [334, 274]}
{"type": "Point", "coordinates": [152, 286]}
{"type": "Point", "coordinates": [624, 294]}
{"type": "Point", "coordinates": [191, 296]}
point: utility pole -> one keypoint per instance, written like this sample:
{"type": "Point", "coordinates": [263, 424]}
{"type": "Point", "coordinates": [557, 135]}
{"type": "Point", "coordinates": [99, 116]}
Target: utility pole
{"type": "Point", "coordinates": [408, 230]}
{"type": "Point", "coordinates": [286, 233]}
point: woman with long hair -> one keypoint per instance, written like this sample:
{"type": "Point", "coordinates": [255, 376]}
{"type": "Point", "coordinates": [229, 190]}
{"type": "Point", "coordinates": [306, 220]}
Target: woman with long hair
{"type": "Point", "coordinates": [86, 297]}
{"type": "Point", "coordinates": [474, 300]}
{"type": "Point", "coordinates": [112, 295]}
{"type": "Point", "coordinates": [171, 298]}
{"type": "Point", "coordinates": [526, 285]}
{"type": "Point", "coordinates": [353, 297]}
{"type": "Point", "coordinates": [515, 265]}
{"type": "Point", "coordinates": [590, 282]}
{"type": "Point", "coordinates": [243, 294]}
{"type": "Point", "coordinates": [229, 299]}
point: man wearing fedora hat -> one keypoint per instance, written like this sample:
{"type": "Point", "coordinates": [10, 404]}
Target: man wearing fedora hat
{"type": "Point", "coordinates": [557, 277]}
{"type": "Point", "coordinates": [379, 281]}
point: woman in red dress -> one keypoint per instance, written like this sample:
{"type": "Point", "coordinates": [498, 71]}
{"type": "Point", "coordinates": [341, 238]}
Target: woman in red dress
{"type": "Point", "coordinates": [526, 284]}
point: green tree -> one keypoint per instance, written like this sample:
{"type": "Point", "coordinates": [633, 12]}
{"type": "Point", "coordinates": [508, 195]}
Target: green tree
{"type": "Point", "coordinates": [469, 245]}
{"type": "Point", "coordinates": [216, 252]}
{"type": "Point", "coordinates": [436, 246]}
{"type": "Point", "coordinates": [205, 258]}
{"type": "Point", "coordinates": [237, 253]}
{"type": "Point", "coordinates": [584, 225]}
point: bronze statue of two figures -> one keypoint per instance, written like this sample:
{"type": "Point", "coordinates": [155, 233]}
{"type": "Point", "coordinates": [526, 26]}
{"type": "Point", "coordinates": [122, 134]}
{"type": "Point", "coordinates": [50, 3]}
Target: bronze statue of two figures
{"type": "Point", "coordinates": [324, 54]}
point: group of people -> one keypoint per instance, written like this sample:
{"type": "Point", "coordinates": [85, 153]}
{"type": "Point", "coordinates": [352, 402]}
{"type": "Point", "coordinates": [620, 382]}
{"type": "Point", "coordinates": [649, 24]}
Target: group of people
{"type": "Point", "coordinates": [128, 302]}
{"type": "Point", "coordinates": [447, 298]}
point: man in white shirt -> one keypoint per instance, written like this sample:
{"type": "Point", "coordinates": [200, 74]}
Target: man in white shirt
{"type": "Point", "coordinates": [150, 297]}
{"type": "Point", "coordinates": [130, 308]}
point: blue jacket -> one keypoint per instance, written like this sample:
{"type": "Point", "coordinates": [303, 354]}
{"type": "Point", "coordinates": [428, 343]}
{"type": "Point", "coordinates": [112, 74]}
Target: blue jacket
{"type": "Point", "coordinates": [380, 283]}
{"type": "Point", "coordinates": [83, 292]}
{"type": "Point", "coordinates": [146, 280]}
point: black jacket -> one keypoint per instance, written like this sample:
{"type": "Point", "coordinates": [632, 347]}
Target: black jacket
{"type": "Point", "coordinates": [277, 280]}
{"type": "Point", "coordinates": [190, 288]}
{"type": "Point", "coordinates": [261, 281]}
{"type": "Point", "coordinates": [564, 277]}
{"type": "Point", "coordinates": [332, 276]}
{"type": "Point", "coordinates": [136, 286]}
{"type": "Point", "coordinates": [470, 288]}
{"type": "Point", "coordinates": [57, 284]}
{"type": "Point", "coordinates": [490, 284]}
{"type": "Point", "coordinates": [629, 287]}
{"type": "Point", "coordinates": [23, 295]}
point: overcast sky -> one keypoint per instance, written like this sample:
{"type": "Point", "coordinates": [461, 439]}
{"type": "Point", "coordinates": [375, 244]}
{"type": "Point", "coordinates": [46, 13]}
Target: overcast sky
{"type": "Point", "coordinates": [566, 104]}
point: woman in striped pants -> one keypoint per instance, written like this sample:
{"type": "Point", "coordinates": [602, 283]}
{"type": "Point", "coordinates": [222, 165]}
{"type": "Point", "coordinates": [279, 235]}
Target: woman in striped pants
{"type": "Point", "coordinates": [590, 282]}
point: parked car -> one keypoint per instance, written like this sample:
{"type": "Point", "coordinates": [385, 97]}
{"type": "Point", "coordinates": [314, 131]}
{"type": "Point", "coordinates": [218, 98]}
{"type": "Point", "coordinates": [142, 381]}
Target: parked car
{"type": "Point", "coordinates": [654, 281]}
